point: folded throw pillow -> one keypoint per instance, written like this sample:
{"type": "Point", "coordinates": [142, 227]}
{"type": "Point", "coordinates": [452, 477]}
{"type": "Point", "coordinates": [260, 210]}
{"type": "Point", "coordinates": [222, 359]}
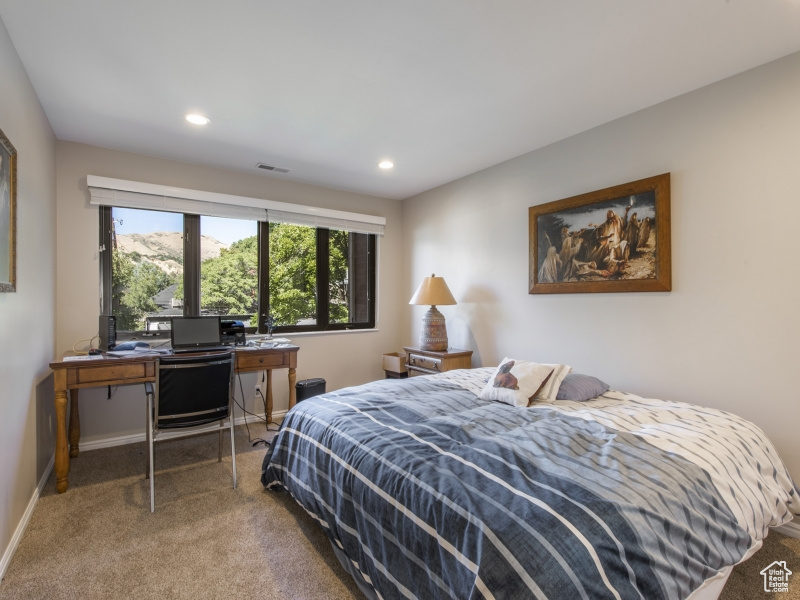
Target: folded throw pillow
{"type": "Point", "coordinates": [515, 381]}
{"type": "Point", "coordinates": [581, 388]}
{"type": "Point", "coordinates": [549, 391]}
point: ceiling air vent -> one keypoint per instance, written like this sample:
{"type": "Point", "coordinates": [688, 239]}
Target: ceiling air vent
{"type": "Point", "coordinates": [271, 168]}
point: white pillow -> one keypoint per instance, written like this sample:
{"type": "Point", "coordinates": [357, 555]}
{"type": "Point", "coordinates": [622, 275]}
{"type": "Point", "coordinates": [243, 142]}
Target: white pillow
{"type": "Point", "coordinates": [516, 381]}
{"type": "Point", "coordinates": [547, 393]}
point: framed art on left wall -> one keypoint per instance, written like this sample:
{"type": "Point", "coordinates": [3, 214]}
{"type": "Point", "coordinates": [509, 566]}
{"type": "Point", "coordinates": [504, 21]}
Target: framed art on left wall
{"type": "Point", "coordinates": [8, 209]}
{"type": "Point", "coordinates": [612, 240]}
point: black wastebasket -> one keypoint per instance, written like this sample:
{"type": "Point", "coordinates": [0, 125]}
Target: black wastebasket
{"type": "Point", "coordinates": [308, 388]}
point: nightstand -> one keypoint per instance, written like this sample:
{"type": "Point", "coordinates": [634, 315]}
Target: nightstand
{"type": "Point", "coordinates": [429, 362]}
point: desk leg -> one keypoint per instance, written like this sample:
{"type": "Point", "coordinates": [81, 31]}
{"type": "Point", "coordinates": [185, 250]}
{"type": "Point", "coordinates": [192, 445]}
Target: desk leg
{"type": "Point", "coordinates": [292, 391]}
{"type": "Point", "coordinates": [74, 424]}
{"type": "Point", "coordinates": [269, 397]}
{"type": "Point", "coordinates": [62, 453]}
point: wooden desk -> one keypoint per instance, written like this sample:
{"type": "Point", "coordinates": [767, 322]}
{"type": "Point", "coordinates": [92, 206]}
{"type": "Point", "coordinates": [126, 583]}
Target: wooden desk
{"type": "Point", "coordinates": [72, 375]}
{"type": "Point", "coordinates": [250, 359]}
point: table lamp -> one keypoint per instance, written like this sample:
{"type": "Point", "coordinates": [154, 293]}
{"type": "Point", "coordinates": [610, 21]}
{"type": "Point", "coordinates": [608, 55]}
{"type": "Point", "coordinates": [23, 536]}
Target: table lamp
{"type": "Point", "coordinates": [433, 290]}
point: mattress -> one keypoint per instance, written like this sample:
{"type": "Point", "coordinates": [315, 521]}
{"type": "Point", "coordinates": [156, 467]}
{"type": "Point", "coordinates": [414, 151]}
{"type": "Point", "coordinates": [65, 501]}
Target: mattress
{"type": "Point", "coordinates": [427, 491]}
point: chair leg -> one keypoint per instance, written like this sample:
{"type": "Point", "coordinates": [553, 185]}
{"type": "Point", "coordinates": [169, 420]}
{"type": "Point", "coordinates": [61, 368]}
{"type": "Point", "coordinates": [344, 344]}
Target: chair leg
{"type": "Point", "coordinates": [233, 453]}
{"type": "Point", "coordinates": [150, 470]}
{"type": "Point", "coordinates": [219, 445]}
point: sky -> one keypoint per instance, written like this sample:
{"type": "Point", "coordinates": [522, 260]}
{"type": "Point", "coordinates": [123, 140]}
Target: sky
{"type": "Point", "coordinates": [227, 231]}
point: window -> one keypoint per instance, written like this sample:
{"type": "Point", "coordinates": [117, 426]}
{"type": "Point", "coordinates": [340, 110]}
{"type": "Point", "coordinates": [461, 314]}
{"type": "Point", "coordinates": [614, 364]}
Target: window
{"type": "Point", "coordinates": [293, 275]}
{"type": "Point", "coordinates": [159, 264]}
{"type": "Point", "coordinates": [229, 268]}
{"type": "Point", "coordinates": [349, 281]}
{"type": "Point", "coordinates": [320, 279]}
{"type": "Point", "coordinates": [146, 266]}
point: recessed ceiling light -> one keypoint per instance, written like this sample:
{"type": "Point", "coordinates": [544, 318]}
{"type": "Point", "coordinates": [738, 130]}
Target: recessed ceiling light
{"type": "Point", "coordinates": [197, 119]}
{"type": "Point", "coordinates": [386, 164]}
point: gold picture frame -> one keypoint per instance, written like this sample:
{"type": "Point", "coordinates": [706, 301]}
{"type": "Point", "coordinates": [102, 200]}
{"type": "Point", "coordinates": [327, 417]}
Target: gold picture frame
{"type": "Point", "coordinates": [8, 215]}
{"type": "Point", "coordinates": [613, 240]}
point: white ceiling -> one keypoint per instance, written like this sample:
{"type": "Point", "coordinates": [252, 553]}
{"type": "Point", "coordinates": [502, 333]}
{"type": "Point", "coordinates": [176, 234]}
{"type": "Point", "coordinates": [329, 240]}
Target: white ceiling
{"type": "Point", "coordinates": [327, 88]}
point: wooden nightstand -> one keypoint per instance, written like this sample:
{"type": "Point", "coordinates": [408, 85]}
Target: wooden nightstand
{"type": "Point", "coordinates": [428, 362]}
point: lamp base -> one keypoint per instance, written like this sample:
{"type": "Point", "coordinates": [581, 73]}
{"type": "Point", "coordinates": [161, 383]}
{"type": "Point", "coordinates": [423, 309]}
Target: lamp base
{"type": "Point", "coordinates": [434, 331]}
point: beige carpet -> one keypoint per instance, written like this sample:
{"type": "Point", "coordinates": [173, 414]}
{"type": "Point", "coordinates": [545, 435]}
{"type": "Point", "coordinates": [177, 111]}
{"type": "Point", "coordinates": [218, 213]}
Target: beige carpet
{"type": "Point", "coordinates": [206, 540]}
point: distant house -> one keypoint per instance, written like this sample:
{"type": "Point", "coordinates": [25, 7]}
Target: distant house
{"type": "Point", "coordinates": [166, 298]}
{"type": "Point", "coordinates": [169, 307]}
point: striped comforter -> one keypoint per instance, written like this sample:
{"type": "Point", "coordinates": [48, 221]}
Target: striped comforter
{"type": "Point", "coordinates": [431, 492]}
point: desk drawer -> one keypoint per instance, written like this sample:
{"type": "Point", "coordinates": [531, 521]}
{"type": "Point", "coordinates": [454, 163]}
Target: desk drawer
{"type": "Point", "coordinates": [257, 361]}
{"type": "Point", "coordinates": [114, 374]}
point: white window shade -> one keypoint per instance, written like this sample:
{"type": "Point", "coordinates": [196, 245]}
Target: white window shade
{"type": "Point", "coordinates": [105, 191]}
{"type": "Point", "coordinates": [326, 222]}
{"type": "Point", "coordinates": [123, 199]}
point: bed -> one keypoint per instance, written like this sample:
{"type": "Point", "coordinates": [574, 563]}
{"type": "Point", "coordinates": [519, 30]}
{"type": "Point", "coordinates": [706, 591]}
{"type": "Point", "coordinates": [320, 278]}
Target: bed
{"type": "Point", "coordinates": [428, 491]}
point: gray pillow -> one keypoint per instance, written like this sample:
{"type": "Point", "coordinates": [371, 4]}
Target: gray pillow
{"type": "Point", "coordinates": [581, 388]}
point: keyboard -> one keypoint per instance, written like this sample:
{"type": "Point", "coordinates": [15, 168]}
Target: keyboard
{"type": "Point", "coordinates": [202, 349]}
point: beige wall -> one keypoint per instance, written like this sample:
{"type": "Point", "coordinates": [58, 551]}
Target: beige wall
{"type": "Point", "coordinates": [27, 316]}
{"type": "Point", "coordinates": [342, 359]}
{"type": "Point", "coordinates": [727, 335]}
{"type": "Point", "coordinates": [724, 337]}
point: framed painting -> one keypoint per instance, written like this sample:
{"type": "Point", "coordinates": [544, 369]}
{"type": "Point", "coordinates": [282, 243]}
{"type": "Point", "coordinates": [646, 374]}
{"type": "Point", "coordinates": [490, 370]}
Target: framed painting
{"type": "Point", "coordinates": [612, 240]}
{"type": "Point", "coordinates": [8, 206]}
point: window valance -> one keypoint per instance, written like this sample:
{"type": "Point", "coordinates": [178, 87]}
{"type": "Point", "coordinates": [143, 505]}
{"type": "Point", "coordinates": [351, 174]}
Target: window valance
{"type": "Point", "coordinates": [105, 191]}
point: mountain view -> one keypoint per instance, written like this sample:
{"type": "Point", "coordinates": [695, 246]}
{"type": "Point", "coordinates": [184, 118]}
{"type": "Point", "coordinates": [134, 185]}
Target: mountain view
{"type": "Point", "coordinates": [165, 249]}
{"type": "Point", "coordinates": [147, 276]}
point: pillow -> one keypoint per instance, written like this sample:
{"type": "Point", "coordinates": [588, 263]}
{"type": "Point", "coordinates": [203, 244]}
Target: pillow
{"type": "Point", "coordinates": [515, 381]}
{"type": "Point", "coordinates": [549, 391]}
{"type": "Point", "coordinates": [581, 388]}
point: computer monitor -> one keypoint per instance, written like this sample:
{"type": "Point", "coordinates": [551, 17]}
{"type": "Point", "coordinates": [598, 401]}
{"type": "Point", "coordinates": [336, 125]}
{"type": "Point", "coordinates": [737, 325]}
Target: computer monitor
{"type": "Point", "coordinates": [195, 333]}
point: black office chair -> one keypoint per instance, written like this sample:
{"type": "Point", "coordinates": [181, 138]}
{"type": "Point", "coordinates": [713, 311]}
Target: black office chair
{"type": "Point", "coordinates": [191, 392]}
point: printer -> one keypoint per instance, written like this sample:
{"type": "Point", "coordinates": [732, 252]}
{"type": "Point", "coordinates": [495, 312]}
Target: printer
{"type": "Point", "coordinates": [232, 332]}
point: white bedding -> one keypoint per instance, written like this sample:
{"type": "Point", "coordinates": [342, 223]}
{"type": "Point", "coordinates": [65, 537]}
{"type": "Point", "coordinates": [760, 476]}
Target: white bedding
{"type": "Point", "coordinates": [742, 462]}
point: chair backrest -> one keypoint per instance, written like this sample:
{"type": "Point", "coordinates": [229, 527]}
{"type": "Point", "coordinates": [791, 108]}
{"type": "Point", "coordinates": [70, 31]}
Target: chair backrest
{"type": "Point", "coordinates": [193, 389]}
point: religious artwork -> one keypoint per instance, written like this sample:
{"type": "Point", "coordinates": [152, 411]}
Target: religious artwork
{"type": "Point", "coordinates": [8, 205]}
{"type": "Point", "coordinates": [612, 240]}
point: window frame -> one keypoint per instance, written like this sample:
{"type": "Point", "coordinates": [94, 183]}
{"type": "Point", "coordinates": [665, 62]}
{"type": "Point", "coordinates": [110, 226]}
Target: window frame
{"type": "Point", "coordinates": [191, 278]}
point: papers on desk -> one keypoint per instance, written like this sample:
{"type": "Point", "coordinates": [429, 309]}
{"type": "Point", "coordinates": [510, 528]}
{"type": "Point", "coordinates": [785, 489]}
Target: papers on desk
{"type": "Point", "coordinates": [272, 343]}
{"type": "Point", "coordinates": [84, 357]}
{"type": "Point", "coordinates": [266, 343]}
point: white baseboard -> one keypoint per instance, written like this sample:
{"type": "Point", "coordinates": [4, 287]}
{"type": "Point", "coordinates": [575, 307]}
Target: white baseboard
{"type": "Point", "coordinates": [23, 523]}
{"type": "Point", "coordinates": [134, 438]}
{"type": "Point", "coordinates": [792, 529]}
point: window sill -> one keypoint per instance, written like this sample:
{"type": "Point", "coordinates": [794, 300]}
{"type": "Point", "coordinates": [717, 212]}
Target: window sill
{"type": "Point", "coordinates": [298, 334]}
{"type": "Point", "coordinates": [158, 340]}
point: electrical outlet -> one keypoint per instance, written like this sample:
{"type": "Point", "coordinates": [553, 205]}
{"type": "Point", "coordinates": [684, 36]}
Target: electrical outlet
{"type": "Point", "coordinates": [259, 391]}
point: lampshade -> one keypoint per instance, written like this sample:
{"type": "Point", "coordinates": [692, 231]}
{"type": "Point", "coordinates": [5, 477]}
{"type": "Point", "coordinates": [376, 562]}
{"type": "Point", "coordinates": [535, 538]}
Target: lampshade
{"type": "Point", "coordinates": [433, 291]}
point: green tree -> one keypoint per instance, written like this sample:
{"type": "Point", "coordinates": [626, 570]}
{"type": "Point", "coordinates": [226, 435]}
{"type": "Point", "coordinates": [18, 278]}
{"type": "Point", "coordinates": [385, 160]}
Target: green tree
{"type": "Point", "coordinates": [339, 251]}
{"type": "Point", "coordinates": [122, 268]}
{"type": "Point", "coordinates": [292, 273]}
{"type": "Point", "coordinates": [147, 281]}
{"type": "Point", "coordinates": [229, 282]}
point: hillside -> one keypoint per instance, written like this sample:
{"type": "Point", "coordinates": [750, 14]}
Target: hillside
{"type": "Point", "coordinates": [165, 249]}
